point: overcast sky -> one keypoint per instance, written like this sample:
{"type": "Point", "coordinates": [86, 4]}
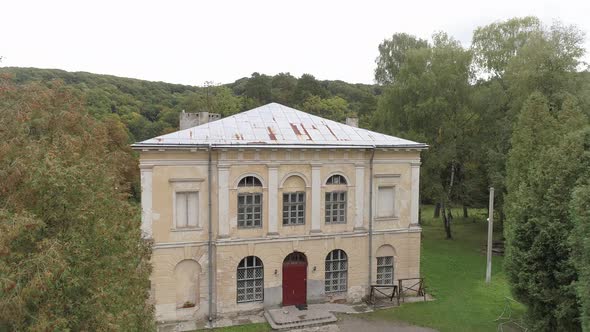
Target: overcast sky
{"type": "Point", "coordinates": [191, 42]}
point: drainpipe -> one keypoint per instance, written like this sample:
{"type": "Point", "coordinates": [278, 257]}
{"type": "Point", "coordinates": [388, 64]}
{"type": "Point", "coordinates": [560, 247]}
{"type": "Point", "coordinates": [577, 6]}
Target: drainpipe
{"type": "Point", "coordinates": [371, 217]}
{"type": "Point", "coordinates": [210, 240]}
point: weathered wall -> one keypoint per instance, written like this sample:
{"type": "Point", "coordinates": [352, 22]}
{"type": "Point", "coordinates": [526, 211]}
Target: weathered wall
{"type": "Point", "coordinates": [168, 172]}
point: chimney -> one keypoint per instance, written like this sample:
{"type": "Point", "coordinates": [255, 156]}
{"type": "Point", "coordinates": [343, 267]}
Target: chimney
{"type": "Point", "coordinates": [353, 122]}
{"type": "Point", "coordinates": [189, 120]}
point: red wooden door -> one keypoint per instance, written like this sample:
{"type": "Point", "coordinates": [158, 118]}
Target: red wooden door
{"type": "Point", "coordinates": [295, 280]}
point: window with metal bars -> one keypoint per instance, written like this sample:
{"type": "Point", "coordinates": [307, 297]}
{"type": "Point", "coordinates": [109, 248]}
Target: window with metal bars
{"type": "Point", "coordinates": [336, 179]}
{"type": "Point", "coordinates": [250, 280]}
{"type": "Point", "coordinates": [335, 211]}
{"type": "Point", "coordinates": [250, 181]}
{"type": "Point", "coordinates": [385, 270]}
{"type": "Point", "coordinates": [336, 271]}
{"type": "Point", "coordinates": [294, 208]}
{"type": "Point", "coordinates": [249, 210]}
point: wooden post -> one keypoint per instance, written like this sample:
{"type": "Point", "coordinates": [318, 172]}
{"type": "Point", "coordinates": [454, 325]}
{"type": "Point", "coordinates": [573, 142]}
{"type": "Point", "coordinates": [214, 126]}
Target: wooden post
{"type": "Point", "coordinates": [490, 233]}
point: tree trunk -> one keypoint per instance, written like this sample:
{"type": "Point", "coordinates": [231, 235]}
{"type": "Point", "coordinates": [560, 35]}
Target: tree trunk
{"type": "Point", "coordinates": [437, 210]}
{"type": "Point", "coordinates": [447, 221]}
{"type": "Point", "coordinates": [448, 217]}
{"type": "Point", "coordinates": [465, 213]}
{"type": "Point", "coordinates": [420, 215]}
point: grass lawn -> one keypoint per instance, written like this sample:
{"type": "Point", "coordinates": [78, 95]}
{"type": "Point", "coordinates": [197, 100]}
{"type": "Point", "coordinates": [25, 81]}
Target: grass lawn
{"type": "Point", "coordinates": [262, 327]}
{"type": "Point", "coordinates": [455, 276]}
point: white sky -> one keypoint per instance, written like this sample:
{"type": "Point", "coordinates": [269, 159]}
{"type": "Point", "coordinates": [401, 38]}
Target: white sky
{"type": "Point", "coordinates": [191, 42]}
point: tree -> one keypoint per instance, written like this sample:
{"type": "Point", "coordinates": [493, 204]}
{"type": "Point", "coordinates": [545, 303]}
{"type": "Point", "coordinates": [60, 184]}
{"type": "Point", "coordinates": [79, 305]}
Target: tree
{"type": "Point", "coordinates": [283, 86]}
{"type": "Point", "coordinates": [547, 63]}
{"type": "Point", "coordinates": [392, 55]}
{"type": "Point", "coordinates": [521, 56]}
{"type": "Point", "coordinates": [495, 45]}
{"type": "Point", "coordinates": [258, 87]}
{"type": "Point", "coordinates": [580, 210]}
{"type": "Point", "coordinates": [540, 185]}
{"type": "Point", "coordinates": [71, 254]}
{"type": "Point", "coordinates": [214, 99]}
{"type": "Point", "coordinates": [308, 86]}
{"type": "Point", "coordinates": [429, 101]}
{"type": "Point", "coordinates": [334, 108]}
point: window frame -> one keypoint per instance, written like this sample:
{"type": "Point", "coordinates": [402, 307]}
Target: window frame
{"type": "Point", "coordinates": [383, 268]}
{"type": "Point", "coordinates": [329, 206]}
{"type": "Point", "coordinates": [250, 283]}
{"type": "Point", "coordinates": [175, 223]}
{"type": "Point", "coordinates": [290, 207]}
{"type": "Point", "coordinates": [241, 217]}
{"type": "Point", "coordinates": [249, 181]}
{"type": "Point", "coordinates": [336, 180]}
{"type": "Point", "coordinates": [336, 277]}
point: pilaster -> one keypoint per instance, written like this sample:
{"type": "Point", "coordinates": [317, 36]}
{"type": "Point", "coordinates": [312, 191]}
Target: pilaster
{"type": "Point", "coordinates": [415, 198]}
{"type": "Point", "coordinates": [223, 201]}
{"type": "Point", "coordinates": [273, 199]}
{"type": "Point", "coordinates": [359, 197]}
{"type": "Point", "coordinates": [146, 200]}
{"type": "Point", "coordinates": [316, 190]}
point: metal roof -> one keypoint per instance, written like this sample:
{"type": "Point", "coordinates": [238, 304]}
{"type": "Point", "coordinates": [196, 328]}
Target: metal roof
{"type": "Point", "coordinates": [277, 125]}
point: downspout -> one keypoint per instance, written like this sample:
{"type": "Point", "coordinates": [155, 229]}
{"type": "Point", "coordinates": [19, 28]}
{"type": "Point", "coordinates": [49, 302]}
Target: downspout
{"type": "Point", "coordinates": [371, 217]}
{"type": "Point", "coordinates": [210, 239]}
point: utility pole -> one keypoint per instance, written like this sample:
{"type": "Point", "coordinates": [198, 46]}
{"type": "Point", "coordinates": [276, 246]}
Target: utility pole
{"type": "Point", "coordinates": [490, 233]}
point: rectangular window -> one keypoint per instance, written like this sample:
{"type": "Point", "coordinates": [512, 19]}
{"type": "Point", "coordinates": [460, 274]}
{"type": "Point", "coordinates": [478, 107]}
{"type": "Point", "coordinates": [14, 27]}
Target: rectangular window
{"type": "Point", "coordinates": [249, 210]}
{"type": "Point", "coordinates": [187, 209]}
{"type": "Point", "coordinates": [336, 207]}
{"type": "Point", "coordinates": [385, 270]}
{"type": "Point", "coordinates": [294, 208]}
{"type": "Point", "coordinates": [385, 202]}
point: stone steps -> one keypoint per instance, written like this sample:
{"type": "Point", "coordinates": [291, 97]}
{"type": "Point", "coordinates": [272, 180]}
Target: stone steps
{"type": "Point", "coordinates": [290, 317]}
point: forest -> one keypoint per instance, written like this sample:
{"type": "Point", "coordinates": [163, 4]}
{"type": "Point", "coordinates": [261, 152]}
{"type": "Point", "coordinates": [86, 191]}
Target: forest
{"type": "Point", "coordinates": [509, 111]}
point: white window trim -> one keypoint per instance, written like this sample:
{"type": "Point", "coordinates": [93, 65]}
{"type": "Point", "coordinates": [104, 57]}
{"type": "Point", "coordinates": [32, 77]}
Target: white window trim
{"type": "Point", "coordinates": [188, 185]}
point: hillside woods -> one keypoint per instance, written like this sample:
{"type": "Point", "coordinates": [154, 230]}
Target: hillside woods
{"type": "Point", "coordinates": [510, 111]}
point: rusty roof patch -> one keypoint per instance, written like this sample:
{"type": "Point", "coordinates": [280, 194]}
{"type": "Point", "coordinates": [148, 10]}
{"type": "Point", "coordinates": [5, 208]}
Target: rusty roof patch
{"type": "Point", "coordinates": [306, 133]}
{"type": "Point", "coordinates": [295, 129]}
{"type": "Point", "coordinates": [271, 134]}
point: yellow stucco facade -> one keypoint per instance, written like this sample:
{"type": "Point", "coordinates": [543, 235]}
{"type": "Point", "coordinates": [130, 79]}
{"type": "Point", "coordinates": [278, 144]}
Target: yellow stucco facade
{"type": "Point", "coordinates": [180, 278]}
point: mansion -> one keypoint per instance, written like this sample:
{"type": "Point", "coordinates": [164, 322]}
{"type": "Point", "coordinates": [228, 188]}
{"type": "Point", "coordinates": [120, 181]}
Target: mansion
{"type": "Point", "coordinates": [274, 207]}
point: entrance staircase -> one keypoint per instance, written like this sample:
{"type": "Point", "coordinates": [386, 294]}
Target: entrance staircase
{"type": "Point", "coordinates": [290, 317]}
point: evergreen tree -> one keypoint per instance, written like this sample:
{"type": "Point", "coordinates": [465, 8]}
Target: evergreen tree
{"type": "Point", "coordinates": [540, 183]}
{"type": "Point", "coordinates": [580, 241]}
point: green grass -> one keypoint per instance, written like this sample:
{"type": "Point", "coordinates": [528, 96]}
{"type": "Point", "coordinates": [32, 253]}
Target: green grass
{"type": "Point", "coordinates": [455, 276]}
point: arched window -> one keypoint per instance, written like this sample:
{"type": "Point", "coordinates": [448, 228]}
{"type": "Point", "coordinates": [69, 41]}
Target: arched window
{"type": "Point", "coordinates": [336, 271]}
{"type": "Point", "coordinates": [336, 179]}
{"type": "Point", "coordinates": [250, 181]}
{"type": "Point", "coordinates": [335, 211]}
{"type": "Point", "coordinates": [250, 278]}
{"type": "Point", "coordinates": [385, 255]}
{"type": "Point", "coordinates": [249, 202]}
{"type": "Point", "coordinates": [294, 201]}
